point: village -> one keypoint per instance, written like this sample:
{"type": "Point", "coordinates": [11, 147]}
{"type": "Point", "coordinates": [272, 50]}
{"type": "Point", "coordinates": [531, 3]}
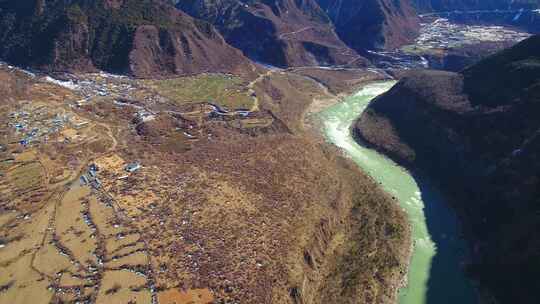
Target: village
{"type": "Point", "coordinates": [66, 174]}
{"type": "Point", "coordinates": [443, 33]}
{"type": "Point", "coordinates": [38, 123]}
{"type": "Point", "coordinates": [438, 35]}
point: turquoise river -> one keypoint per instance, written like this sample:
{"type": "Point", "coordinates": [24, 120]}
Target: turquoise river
{"type": "Point", "coordinates": [435, 273]}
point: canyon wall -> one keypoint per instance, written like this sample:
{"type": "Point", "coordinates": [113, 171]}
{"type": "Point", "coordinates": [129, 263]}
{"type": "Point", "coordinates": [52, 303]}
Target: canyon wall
{"type": "Point", "coordinates": [476, 133]}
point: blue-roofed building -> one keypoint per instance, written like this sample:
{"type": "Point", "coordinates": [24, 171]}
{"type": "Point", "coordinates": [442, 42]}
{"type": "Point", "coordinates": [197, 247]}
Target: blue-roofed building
{"type": "Point", "coordinates": [132, 167]}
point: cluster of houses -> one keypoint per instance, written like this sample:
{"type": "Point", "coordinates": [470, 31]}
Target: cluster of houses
{"type": "Point", "coordinates": [90, 177]}
{"type": "Point", "coordinates": [144, 115]}
{"type": "Point", "coordinates": [37, 125]}
{"type": "Point", "coordinates": [219, 111]}
{"type": "Point", "coordinates": [442, 33]}
{"type": "Point", "coordinates": [94, 85]}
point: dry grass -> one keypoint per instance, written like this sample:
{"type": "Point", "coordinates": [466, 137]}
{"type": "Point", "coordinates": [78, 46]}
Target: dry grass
{"type": "Point", "coordinates": [233, 219]}
{"type": "Point", "coordinates": [114, 244]}
{"type": "Point", "coordinates": [288, 96]}
{"type": "Point", "coordinates": [26, 157]}
{"type": "Point", "coordinates": [104, 218]}
{"type": "Point", "coordinates": [225, 90]}
{"type": "Point", "coordinates": [71, 228]}
{"type": "Point", "coordinates": [193, 296]}
{"type": "Point", "coordinates": [123, 286]}
{"type": "Point", "coordinates": [26, 176]}
{"type": "Point", "coordinates": [25, 285]}
{"type": "Point", "coordinates": [26, 236]}
{"type": "Point", "coordinates": [340, 81]}
{"type": "Point", "coordinates": [49, 261]}
{"type": "Point", "coordinates": [130, 261]}
{"type": "Point", "coordinates": [68, 280]}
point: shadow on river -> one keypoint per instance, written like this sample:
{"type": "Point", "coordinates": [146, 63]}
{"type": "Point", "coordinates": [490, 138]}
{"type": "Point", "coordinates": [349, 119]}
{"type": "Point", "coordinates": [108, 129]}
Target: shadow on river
{"type": "Point", "coordinates": [445, 285]}
{"type": "Point", "coordinates": [435, 275]}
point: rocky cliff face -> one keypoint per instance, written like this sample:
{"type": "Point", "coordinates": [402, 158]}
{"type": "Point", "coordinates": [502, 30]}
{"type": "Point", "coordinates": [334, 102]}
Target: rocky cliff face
{"type": "Point", "coordinates": [281, 33]}
{"type": "Point", "coordinates": [373, 24]}
{"type": "Point", "coordinates": [142, 38]}
{"type": "Point", "coordinates": [477, 134]}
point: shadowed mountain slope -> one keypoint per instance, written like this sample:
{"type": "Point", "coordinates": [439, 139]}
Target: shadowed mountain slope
{"type": "Point", "coordinates": [477, 134]}
{"type": "Point", "coordinates": [373, 24]}
{"type": "Point", "coordinates": [142, 38]}
{"type": "Point", "coordinates": [282, 33]}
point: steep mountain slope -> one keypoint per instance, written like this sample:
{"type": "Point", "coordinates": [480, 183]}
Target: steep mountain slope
{"type": "Point", "coordinates": [281, 33]}
{"type": "Point", "coordinates": [143, 38]}
{"type": "Point", "coordinates": [477, 134]}
{"type": "Point", "coordinates": [373, 24]}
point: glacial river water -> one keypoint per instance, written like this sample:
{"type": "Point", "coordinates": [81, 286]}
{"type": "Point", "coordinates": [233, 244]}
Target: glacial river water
{"type": "Point", "coordinates": [435, 275]}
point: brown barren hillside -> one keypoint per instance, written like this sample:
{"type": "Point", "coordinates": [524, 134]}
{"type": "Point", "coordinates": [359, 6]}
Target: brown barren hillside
{"type": "Point", "coordinates": [283, 33]}
{"type": "Point", "coordinates": [138, 196]}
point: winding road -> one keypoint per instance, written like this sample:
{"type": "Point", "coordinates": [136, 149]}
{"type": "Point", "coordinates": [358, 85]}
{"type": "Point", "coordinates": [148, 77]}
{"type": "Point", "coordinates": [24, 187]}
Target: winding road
{"type": "Point", "coordinates": [283, 35]}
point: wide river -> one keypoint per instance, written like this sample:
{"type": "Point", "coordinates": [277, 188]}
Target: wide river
{"type": "Point", "coordinates": [435, 274]}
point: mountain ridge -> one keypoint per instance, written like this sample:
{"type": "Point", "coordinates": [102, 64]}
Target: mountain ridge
{"type": "Point", "coordinates": [141, 38]}
{"type": "Point", "coordinates": [283, 33]}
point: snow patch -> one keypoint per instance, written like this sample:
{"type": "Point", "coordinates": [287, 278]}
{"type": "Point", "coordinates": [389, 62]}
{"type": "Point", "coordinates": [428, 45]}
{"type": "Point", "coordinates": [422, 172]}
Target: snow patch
{"type": "Point", "coordinates": [66, 84]}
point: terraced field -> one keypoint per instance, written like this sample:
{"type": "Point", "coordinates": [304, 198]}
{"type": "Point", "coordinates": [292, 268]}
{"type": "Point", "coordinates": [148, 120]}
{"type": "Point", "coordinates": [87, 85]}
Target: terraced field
{"type": "Point", "coordinates": [226, 90]}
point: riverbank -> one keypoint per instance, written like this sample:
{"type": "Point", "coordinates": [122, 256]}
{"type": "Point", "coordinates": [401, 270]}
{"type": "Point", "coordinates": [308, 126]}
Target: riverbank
{"type": "Point", "coordinates": [475, 134]}
{"type": "Point", "coordinates": [380, 134]}
{"type": "Point", "coordinates": [335, 94]}
{"type": "Point", "coordinates": [399, 281]}
{"type": "Point", "coordinates": [435, 262]}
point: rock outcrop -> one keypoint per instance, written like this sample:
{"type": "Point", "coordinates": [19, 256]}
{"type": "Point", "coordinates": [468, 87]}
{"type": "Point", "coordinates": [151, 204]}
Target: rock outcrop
{"type": "Point", "coordinates": [476, 133]}
{"type": "Point", "coordinates": [141, 38]}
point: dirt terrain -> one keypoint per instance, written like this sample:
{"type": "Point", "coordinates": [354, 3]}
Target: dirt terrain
{"type": "Point", "coordinates": [201, 189]}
